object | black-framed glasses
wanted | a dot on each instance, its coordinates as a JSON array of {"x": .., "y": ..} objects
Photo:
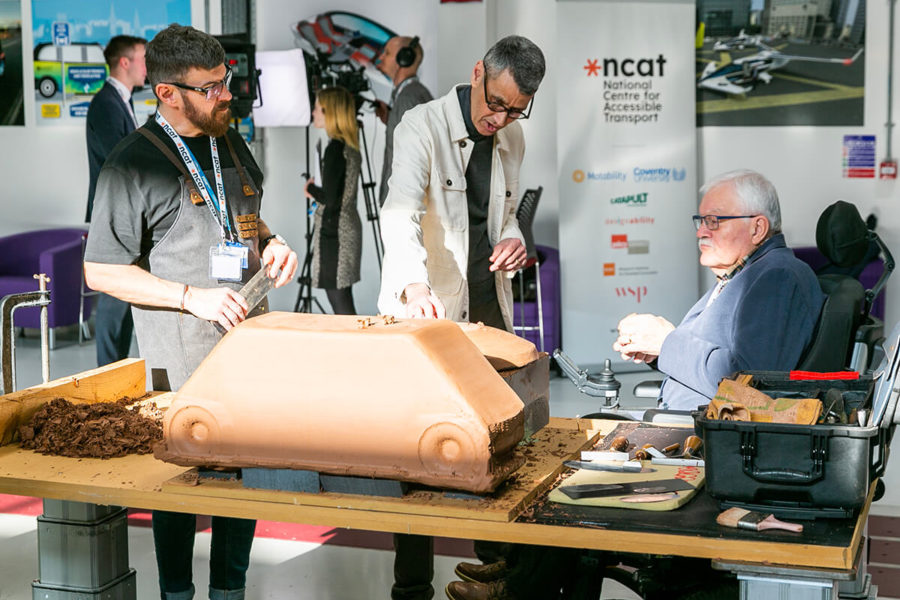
[
  {"x": 712, "y": 221},
  {"x": 211, "y": 91},
  {"x": 511, "y": 113}
]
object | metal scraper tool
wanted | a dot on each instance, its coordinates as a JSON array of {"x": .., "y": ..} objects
[
  {"x": 254, "y": 291},
  {"x": 628, "y": 467}
]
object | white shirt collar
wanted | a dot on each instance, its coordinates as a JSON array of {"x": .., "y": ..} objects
[{"x": 120, "y": 87}]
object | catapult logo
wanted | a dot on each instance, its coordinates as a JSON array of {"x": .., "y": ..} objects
[
  {"x": 658, "y": 174},
  {"x": 626, "y": 67},
  {"x": 639, "y": 199},
  {"x": 636, "y": 293}
]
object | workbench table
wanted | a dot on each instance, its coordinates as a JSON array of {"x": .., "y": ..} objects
[{"x": 826, "y": 551}]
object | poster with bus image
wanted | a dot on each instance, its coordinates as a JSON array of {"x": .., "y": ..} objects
[
  {"x": 11, "y": 89},
  {"x": 69, "y": 38}
]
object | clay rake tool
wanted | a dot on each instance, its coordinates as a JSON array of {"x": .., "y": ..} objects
[
  {"x": 254, "y": 290},
  {"x": 742, "y": 518}
]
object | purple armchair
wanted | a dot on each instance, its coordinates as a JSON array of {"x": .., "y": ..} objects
[{"x": 56, "y": 252}]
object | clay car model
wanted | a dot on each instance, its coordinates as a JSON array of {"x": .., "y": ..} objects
[{"x": 412, "y": 400}]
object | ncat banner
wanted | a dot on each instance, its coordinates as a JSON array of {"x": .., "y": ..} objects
[{"x": 627, "y": 167}]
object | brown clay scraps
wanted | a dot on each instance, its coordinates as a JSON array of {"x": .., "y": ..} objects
[{"x": 102, "y": 430}]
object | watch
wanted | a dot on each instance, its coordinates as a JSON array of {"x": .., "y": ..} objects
[{"x": 265, "y": 242}]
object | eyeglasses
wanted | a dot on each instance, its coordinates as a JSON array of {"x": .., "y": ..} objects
[
  {"x": 211, "y": 91},
  {"x": 511, "y": 113},
  {"x": 712, "y": 221}
]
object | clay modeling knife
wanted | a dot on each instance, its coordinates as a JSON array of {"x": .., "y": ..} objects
[
  {"x": 742, "y": 518},
  {"x": 598, "y": 490}
]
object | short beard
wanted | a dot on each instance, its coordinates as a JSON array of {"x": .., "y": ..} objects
[{"x": 215, "y": 124}]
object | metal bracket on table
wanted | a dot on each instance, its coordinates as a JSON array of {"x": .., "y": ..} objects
[
  {"x": 8, "y": 306},
  {"x": 603, "y": 385}
]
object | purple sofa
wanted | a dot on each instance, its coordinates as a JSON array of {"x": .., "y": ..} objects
[{"x": 56, "y": 252}]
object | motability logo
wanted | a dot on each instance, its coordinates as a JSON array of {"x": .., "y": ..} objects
[
  {"x": 658, "y": 175},
  {"x": 639, "y": 199},
  {"x": 626, "y": 67},
  {"x": 579, "y": 176}
]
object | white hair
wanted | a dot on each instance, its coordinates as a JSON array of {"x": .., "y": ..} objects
[{"x": 755, "y": 193}]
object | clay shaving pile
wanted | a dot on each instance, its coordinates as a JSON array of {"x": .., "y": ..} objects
[{"x": 102, "y": 430}]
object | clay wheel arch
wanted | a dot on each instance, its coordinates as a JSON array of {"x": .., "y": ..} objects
[
  {"x": 448, "y": 449},
  {"x": 194, "y": 431}
]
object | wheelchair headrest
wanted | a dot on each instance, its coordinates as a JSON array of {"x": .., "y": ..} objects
[{"x": 841, "y": 234}]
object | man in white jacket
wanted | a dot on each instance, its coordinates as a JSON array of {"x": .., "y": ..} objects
[{"x": 451, "y": 240}]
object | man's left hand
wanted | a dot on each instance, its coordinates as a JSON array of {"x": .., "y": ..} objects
[
  {"x": 508, "y": 255},
  {"x": 279, "y": 256}
]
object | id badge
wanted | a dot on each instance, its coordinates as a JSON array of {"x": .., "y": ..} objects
[
  {"x": 243, "y": 250},
  {"x": 225, "y": 263}
]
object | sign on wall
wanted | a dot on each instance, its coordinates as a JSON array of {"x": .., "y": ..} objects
[
  {"x": 69, "y": 37},
  {"x": 11, "y": 93},
  {"x": 627, "y": 167},
  {"x": 780, "y": 63}
]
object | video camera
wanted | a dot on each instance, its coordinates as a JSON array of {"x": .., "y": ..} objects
[{"x": 240, "y": 56}]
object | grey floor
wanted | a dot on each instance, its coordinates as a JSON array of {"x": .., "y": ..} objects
[{"x": 280, "y": 569}]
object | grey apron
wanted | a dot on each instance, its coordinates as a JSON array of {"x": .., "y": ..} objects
[{"x": 173, "y": 343}]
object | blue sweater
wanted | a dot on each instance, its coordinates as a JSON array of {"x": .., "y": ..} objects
[{"x": 763, "y": 320}]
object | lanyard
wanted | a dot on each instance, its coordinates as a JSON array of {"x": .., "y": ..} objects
[
  {"x": 402, "y": 85},
  {"x": 200, "y": 180}
]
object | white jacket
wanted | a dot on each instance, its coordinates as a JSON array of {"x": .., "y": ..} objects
[{"x": 425, "y": 219}]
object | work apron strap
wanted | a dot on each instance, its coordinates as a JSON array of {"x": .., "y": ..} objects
[
  {"x": 245, "y": 182},
  {"x": 196, "y": 198}
]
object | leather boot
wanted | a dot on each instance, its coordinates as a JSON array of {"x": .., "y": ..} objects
[
  {"x": 481, "y": 573},
  {"x": 465, "y": 590}
]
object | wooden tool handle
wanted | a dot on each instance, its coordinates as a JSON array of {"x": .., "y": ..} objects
[{"x": 771, "y": 522}]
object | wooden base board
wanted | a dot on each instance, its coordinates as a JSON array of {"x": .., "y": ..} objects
[{"x": 543, "y": 462}]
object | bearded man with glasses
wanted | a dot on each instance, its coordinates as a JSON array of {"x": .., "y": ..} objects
[
  {"x": 760, "y": 315},
  {"x": 176, "y": 232}
]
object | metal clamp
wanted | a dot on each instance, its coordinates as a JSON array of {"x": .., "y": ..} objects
[{"x": 8, "y": 306}]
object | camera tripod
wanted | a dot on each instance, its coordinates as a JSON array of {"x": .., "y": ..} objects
[{"x": 305, "y": 299}]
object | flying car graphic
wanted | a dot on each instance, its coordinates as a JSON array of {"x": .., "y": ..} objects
[{"x": 743, "y": 74}]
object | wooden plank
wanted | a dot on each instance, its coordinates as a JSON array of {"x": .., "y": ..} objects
[
  {"x": 125, "y": 378},
  {"x": 137, "y": 481},
  {"x": 543, "y": 463}
]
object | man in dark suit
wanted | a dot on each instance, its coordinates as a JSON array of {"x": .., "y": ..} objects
[{"x": 110, "y": 118}]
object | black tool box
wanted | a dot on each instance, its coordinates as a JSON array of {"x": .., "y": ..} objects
[{"x": 804, "y": 471}]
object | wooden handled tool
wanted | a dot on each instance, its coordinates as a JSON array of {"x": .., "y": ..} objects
[
  {"x": 692, "y": 447},
  {"x": 742, "y": 518},
  {"x": 619, "y": 443}
]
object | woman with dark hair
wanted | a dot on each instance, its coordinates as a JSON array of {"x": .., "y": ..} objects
[{"x": 337, "y": 236}]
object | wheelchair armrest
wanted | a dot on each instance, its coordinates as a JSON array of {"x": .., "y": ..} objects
[
  {"x": 673, "y": 417},
  {"x": 648, "y": 389}
]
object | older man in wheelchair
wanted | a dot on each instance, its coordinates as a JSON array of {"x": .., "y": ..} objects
[{"x": 767, "y": 311}]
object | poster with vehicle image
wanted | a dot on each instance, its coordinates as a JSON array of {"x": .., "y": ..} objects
[
  {"x": 69, "y": 38},
  {"x": 11, "y": 90},
  {"x": 777, "y": 63}
]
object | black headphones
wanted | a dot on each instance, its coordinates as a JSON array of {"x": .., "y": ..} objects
[{"x": 406, "y": 56}]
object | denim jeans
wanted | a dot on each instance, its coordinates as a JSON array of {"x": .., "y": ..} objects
[{"x": 173, "y": 537}]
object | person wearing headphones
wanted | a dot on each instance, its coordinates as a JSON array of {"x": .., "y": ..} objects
[{"x": 400, "y": 61}]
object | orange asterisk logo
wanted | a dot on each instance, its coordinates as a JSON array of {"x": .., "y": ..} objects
[{"x": 592, "y": 67}]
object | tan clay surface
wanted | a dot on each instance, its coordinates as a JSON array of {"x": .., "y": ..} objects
[
  {"x": 413, "y": 400},
  {"x": 502, "y": 349}
]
